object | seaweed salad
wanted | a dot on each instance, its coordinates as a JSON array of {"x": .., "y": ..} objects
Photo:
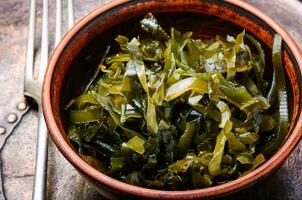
[{"x": 171, "y": 112}]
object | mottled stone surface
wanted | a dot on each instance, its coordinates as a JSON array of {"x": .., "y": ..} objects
[{"x": 64, "y": 182}]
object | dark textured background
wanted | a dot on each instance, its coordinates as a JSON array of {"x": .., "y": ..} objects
[{"x": 64, "y": 182}]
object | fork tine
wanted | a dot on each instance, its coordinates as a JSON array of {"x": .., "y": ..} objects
[
  {"x": 40, "y": 179},
  {"x": 70, "y": 14},
  {"x": 58, "y": 21},
  {"x": 44, "y": 43},
  {"x": 29, "y": 67}
]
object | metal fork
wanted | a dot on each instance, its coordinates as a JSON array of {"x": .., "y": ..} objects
[{"x": 33, "y": 86}]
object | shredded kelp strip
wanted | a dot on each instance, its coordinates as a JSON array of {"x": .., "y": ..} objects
[{"x": 172, "y": 112}]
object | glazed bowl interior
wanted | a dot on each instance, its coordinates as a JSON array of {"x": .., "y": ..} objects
[{"x": 82, "y": 48}]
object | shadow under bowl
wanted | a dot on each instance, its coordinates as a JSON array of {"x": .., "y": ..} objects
[{"x": 82, "y": 47}]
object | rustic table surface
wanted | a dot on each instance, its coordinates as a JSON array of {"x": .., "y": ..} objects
[{"x": 64, "y": 182}]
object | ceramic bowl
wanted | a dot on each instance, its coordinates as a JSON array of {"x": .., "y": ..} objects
[{"x": 80, "y": 50}]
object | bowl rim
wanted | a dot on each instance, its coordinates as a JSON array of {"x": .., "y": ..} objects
[{"x": 269, "y": 166}]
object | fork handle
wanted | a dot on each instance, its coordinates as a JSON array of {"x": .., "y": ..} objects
[{"x": 40, "y": 181}]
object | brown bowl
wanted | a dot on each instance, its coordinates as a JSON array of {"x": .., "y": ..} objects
[{"x": 81, "y": 48}]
